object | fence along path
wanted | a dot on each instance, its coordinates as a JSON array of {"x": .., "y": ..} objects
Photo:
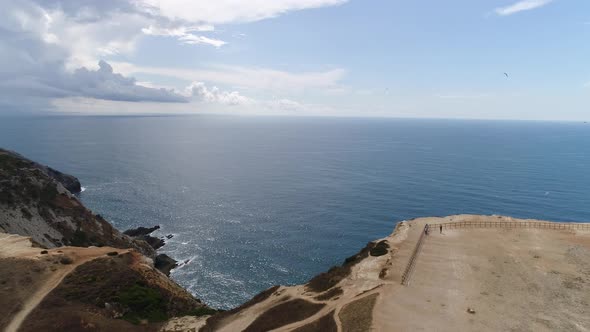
[
  {"x": 412, "y": 262},
  {"x": 484, "y": 224},
  {"x": 514, "y": 224}
]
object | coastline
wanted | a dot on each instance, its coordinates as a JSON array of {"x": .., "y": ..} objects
[
  {"x": 462, "y": 274},
  {"x": 451, "y": 283}
]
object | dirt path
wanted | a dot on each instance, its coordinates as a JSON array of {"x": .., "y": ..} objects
[
  {"x": 38, "y": 296},
  {"x": 78, "y": 255}
]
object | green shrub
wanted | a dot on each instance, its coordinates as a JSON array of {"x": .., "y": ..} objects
[
  {"x": 48, "y": 192},
  {"x": 202, "y": 311},
  {"x": 380, "y": 249},
  {"x": 143, "y": 303},
  {"x": 79, "y": 239}
]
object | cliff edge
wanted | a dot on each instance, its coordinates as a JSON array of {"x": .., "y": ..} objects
[
  {"x": 64, "y": 268},
  {"x": 70, "y": 270},
  {"x": 35, "y": 202},
  {"x": 470, "y": 273}
]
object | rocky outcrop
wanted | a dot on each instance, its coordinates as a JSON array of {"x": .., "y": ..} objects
[
  {"x": 104, "y": 279},
  {"x": 97, "y": 289},
  {"x": 165, "y": 263},
  {"x": 143, "y": 233},
  {"x": 35, "y": 202},
  {"x": 162, "y": 262},
  {"x": 70, "y": 182}
]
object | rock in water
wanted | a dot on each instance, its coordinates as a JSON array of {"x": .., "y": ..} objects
[
  {"x": 70, "y": 182},
  {"x": 140, "y": 231},
  {"x": 165, "y": 263},
  {"x": 143, "y": 233}
]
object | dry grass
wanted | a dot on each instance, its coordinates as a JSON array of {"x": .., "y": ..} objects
[
  {"x": 326, "y": 280},
  {"x": 19, "y": 279},
  {"x": 324, "y": 324},
  {"x": 113, "y": 280},
  {"x": 332, "y": 293},
  {"x": 283, "y": 314},
  {"x": 214, "y": 322},
  {"x": 358, "y": 315}
]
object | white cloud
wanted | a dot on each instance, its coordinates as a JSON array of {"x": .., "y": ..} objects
[
  {"x": 228, "y": 11},
  {"x": 245, "y": 77},
  {"x": 192, "y": 39},
  {"x": 521, "y": 6},
  {"x": 107, "y": 27},
  {"x": 462, "y": 96},
  {"x": 50, "y": 49},
  {"x": 185, "y": 34},
  {"x": 288, "y": 104},
  {"x": 105, "y": 84},
  {"x": 207, "y": 13},
  {"x": 102, "y": 83},
  {"x": 37, "y": 45},
  {"x": 201, "y": 92}
]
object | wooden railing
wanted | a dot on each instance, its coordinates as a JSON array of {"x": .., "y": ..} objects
[
  {"x": 412, "y": 262},
  {"x": 513, "y": 224},
  {"x": 483, "y": 224}
]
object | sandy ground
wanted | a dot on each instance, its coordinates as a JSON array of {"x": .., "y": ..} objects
[
  {"x": 363, "y": 282},
  {"x": 519, "y": 279},
  {"x": 14, "y": 246},
  {"x": 184, "y": 324},
  {"x": 514, "y": 279}
]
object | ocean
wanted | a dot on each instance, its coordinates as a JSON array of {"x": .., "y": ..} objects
[{"x": 258, "y": 201}]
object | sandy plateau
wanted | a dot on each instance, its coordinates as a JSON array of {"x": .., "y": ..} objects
[{"x": 465, "y": 279}]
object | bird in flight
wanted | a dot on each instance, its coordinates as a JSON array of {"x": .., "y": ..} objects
[{"x": 506, "y": 74}]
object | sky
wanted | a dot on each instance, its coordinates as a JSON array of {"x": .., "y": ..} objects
[{"x": 489, "y": 59}]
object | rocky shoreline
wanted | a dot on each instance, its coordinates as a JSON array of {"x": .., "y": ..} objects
[
  {"x": 106, "y": 279},
  {"x": 69, "y": 269},
  {"x": 162, "y": 262}
]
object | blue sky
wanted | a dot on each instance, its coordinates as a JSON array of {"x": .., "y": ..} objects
[{"x": 430, "y": 59}]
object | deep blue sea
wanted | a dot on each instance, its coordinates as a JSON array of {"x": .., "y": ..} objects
[{"x": 259, "y": 201}]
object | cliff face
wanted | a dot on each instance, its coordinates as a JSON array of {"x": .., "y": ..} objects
[
  {"x": 35, "y": 201},
  {"x": 69, "y": 182},
  {"x": 467, "y": 264},
  {"x": 471, "y": 273},
  {"x": 341, "y": 299},
  {"x": 85, "y": 289},
  {"x": 64, "y": 268}
]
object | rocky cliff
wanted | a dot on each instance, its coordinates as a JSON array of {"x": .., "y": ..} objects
[
  {"x": 468, "y": 269},
  {"x": 471, "y": 273},
  {"x": 35, "y": 201},
  {"x": 64, "y": 268}
]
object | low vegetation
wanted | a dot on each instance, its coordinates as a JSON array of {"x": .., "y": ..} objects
[
  {"x": 357, "y": 315},
  {"x": 283, "y": 314},
  {"x": 111, "y": 282},
  {"x": 202, "y": 311},
  {"x": 380, "y": 249},
  {"x": 326, "y": 323},
  {"x": 143, "y": 303},
  {"x": 324, "y": 281},
  {"x": 330, "y": 294},
  {"x": 214, "y": 322}
]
